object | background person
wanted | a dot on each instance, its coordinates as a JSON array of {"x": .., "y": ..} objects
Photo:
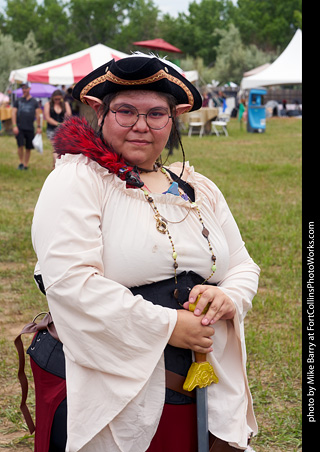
[
  {"x": 55, "y": 112},
  {"x": 72, "y": 102},
  {"x": 242, "y": 115},
  {"x": 124, "y": 245},
  {"x": 25, "y": 110}
]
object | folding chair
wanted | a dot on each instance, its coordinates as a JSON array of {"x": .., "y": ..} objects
[
  {"x": 196, "y": 121},
  {"x": 220, "y": 122}
]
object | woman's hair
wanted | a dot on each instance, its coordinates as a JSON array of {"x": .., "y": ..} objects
[
  {"x": 174, "y": 134},
  {"x": 55, "y": 93}
]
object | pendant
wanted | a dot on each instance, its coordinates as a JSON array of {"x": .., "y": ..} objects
[
  {"x": 173, "y": 189},
  {"x": 161, "y": 225},
  {"x": 205, "y": 232}
]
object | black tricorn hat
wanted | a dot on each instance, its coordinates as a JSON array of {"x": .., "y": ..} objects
[{"x": 138, "y": 73}]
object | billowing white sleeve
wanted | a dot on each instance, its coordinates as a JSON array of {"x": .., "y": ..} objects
[
  {"x": 240, "y": 282},
  {"x": 101, "y": 324}
]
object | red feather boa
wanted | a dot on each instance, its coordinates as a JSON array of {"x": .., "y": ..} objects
[{"x": 76, "y": 136}]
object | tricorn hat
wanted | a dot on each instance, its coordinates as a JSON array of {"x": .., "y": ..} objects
[{"x": 138, "y": 72}]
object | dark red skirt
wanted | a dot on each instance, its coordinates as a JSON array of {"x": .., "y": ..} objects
[
  {"x": 177, "y": 430},
  {"x": 50, "y": 392}
]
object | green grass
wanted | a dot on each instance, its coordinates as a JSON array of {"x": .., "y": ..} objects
[{"x": 260, "y": 176}]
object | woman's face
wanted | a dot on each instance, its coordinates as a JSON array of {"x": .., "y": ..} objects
[
  {"x": 57, "y": 99},
  {"x": 138, "y": 145}
]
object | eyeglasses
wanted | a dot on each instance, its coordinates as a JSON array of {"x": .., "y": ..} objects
[
  {"x": 127, "y": 116},
  {"x": 57, "y": 99}
]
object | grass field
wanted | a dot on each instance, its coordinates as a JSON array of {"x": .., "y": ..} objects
[{"x": 260, "y": 176}]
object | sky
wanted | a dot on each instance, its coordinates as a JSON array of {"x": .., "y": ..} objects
[{"x": 173, "y": 7}]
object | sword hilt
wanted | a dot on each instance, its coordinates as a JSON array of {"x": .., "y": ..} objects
[{"x": 201, "y": 372}]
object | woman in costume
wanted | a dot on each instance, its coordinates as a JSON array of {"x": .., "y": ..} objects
[
  {"x": 55, "y": 112},
  {"x": 125, "y": 246}
]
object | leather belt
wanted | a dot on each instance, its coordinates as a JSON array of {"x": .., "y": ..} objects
[{"x": 175, "y": 382}]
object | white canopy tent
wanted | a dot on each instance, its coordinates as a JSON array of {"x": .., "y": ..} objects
[
  {"x": 285, "y": 70},
  {"x": 256, "y": 70},
  {"x": 68, "y": 69},
  {"x": 192, "y": 76}
]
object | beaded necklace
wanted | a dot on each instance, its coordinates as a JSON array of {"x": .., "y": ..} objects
[{"x": 162, "y": 227}]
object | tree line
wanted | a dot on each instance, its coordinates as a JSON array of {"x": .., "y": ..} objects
[{"x": 218, "y": 37}]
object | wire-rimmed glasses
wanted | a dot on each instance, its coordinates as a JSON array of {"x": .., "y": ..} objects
[{"x": 127, "y": 116}]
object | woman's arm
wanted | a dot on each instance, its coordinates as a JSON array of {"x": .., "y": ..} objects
[
  {"x": 38, "y": 120},
  {"x": 47, "y": 117},
  {"x": 68, "y": 110},
  {"x": 14, "y": 121},
  {"x": 239, "y": 284}
]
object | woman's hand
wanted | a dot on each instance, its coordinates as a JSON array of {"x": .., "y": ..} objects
[
  {"x": 221, "y": 307},
  {"x": 190, "y": 333}
]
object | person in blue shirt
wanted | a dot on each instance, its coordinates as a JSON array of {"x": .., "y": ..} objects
[{"x": 25, "y": 111}]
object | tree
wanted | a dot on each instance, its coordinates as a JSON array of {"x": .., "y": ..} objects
[
  {"x": 194, "y": 33},
  {"x": 234, "y": 58},
  {"x": 66, "y": 26},
  {"x": 2, "y": 22},
  {"x": 53, "y": 30},
  {"x": 21, "y": 18},
  {"x": 97, "y": 21},
  {"x": 15, "y": 55},
  {"x": 141, "y": 24},
  {"x": 206, "y": 74},
  {"x": 268, "y": 23},
  {"x": 48, "y": 21}
]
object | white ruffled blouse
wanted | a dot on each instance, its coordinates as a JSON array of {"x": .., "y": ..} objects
[{"x": 94, "y": 238}]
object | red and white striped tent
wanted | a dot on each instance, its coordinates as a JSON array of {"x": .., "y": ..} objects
[{"x": 68, "y": 69}]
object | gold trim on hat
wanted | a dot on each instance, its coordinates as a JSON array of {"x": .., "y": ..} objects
[{"x": 144, "y": 81}]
